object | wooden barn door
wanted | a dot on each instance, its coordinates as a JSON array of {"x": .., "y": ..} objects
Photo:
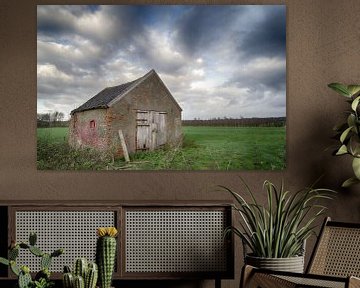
[
  {"x": 142, "y": 130},
  {"x": 151, "y": 129}
]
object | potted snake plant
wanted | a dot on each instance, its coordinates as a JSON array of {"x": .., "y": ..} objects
[
  {"x": 274, "y": 234},
  {"x": 348, "y": 132}
]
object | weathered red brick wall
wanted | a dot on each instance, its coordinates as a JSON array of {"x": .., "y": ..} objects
[
  {"x": 148, "y": 95},
  {"x": 83, "y": 134}
]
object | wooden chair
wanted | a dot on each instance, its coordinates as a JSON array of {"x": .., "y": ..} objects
[{"x": 335, "y": 262}]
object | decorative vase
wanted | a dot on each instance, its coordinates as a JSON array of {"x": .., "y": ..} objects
[{"x": 291, "y": 264}]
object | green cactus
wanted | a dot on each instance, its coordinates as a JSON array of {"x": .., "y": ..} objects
[
  {"x": 13, "y": 253},
  {"x": 24, "y": 280},
  {"x": 32, "y": 238},
  {"x": 105, "y": 258},
  {"x": 87, "y": 272},
  {"x": 24, "y": 245},
  {"x": 79, "y": 282},
  {"x": 36, "y": 251},
  {"x": 81, "y": 265},
  {"x": 14, "y": 268},
  {"x": 57, "y": 252},
  {"x": 42, "y": 278},
  {"x": 91, "y": 276},
  {"x": 67, "y": 269},
  {"x": 45, "y": 261},
  {"x": 68, "y": 280}
]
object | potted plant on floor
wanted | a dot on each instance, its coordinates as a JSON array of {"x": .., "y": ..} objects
[
  {"x": 276, "y": 233},
  {"x": 349, "y": 132}
]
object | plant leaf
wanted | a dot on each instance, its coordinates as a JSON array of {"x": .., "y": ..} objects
[
  {"x": 345, "y": 134},
  {"x": 353, "y": 89},
  {"x": 351, "y": 119},
  {"x": 355, "y": 103},
  {"x": 342, "y": 150},
  {"x": 4, "y": 261},
  {"x": 340, "y": 88},
  {"x": 356, "y": 167},
  {"x": 349, "y": 182}
]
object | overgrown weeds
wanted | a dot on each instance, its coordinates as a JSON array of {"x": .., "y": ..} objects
[{"x": 60, "y": 156}]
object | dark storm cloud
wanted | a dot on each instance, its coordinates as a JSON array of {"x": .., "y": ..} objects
[
  {"x": 267, "y": 37},
  {"x": 54, "y": 20},
  {"x": 271, "y": 76},
  {"x": 202, "y": 26},
  {"x": 216, "y": 60}
]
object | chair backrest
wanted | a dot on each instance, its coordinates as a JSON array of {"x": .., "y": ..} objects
[{"x": 337, "y": 251}]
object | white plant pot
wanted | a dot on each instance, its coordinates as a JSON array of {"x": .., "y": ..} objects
[{"x": 291, "y": 264}]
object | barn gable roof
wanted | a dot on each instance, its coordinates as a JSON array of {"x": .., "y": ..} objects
[{"x": 111, "y": 95}]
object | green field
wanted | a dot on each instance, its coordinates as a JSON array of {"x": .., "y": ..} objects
[
  {"x": 55, "y": 135},
  {"x": 204, "y": 148}
]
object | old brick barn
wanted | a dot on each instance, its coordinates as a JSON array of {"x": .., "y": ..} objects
[{"x": 143, "y": 110}]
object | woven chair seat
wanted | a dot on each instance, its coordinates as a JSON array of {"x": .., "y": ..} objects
[{"x": 335, "y": 262}]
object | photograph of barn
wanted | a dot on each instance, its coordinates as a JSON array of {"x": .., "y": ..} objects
[
  {"x": 143, "y": 110},
  {"x": 161, "y": 87}
]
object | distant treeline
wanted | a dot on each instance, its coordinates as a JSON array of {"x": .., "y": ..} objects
[
  {"x": 241, "y": 122},
  {"x": 47, "y": 124},
  {"x": 55, "y": 119}
]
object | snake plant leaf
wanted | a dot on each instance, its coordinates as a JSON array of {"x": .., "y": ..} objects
[
  {"x": 279, "y": 228},
  {"x": 355, "y": 103},
  {"x": 345, "y": 134},
  {"x": 349, "y": 182},
  {"x": 342, "y": 150},
  {"x": 340, "y": 88},
  {"x": 353, "y": 89},
  {"x": 356, "y": 167}
]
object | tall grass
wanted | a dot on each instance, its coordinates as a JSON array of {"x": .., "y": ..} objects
[
  {"x": 204, "y": 148},
  {"x": 58, "y": 155}
]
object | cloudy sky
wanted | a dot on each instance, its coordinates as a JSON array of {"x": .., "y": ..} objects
[{"x": 216, "y": 60}]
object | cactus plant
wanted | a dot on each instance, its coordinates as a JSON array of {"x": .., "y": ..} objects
[
  {"x": 32, "y": 238},
  {"x": 24, "y": 277},
  {"x": 80, "y": 267},
  {"x": 79, "y": 282},
  {"x": 91, "y": 275},
  {"x": 68, "y": 280},
  {"x": 105, "y": 254},
  {"x": 45, "y": 261},
  {"x": 84, "y": 274},
  {"x": 42, "y": 278}
]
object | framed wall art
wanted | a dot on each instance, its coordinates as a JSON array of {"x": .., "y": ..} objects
[{"x": 161, "y": 87}]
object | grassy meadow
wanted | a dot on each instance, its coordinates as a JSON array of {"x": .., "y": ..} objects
[{"x": 204, "y": 148}]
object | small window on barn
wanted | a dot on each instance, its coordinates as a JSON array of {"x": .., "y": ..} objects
[{"x": 92, "y": 124}]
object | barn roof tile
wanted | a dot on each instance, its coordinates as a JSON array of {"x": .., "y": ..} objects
[{"x": 105, "y": 97}]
